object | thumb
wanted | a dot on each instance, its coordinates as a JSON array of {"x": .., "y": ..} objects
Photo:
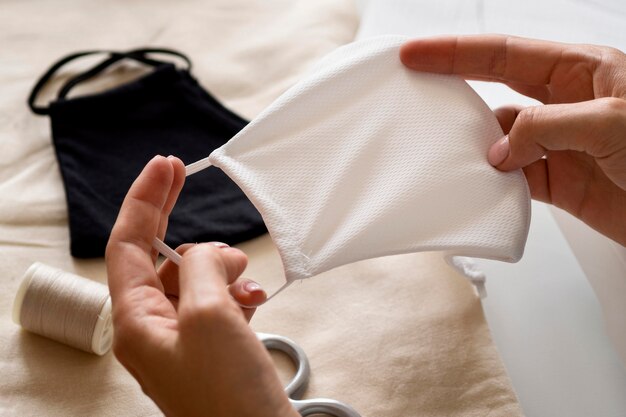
[{"x": 596, "y": 127}]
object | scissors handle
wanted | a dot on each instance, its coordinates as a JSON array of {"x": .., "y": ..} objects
[
  {"x": 323, "y": 406},
  {"x": 296, "y": 387}
]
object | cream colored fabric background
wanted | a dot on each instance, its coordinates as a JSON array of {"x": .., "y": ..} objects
[{"x": 401, "y": 336}]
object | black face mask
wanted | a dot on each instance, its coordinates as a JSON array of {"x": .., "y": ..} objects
[{"x": 103, "y": 141}]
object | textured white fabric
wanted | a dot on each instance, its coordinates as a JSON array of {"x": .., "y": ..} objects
[{"x": 364, "y": 158}]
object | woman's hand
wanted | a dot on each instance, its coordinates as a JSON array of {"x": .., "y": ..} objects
[
  {"x": 178, "y": 331},
  {"x": 581, "y": 129}
]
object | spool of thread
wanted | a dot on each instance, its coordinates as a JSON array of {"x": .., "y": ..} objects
[{"x": 65, "y": 307}]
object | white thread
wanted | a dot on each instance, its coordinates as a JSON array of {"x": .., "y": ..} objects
[{"x": 65, "y": 307}]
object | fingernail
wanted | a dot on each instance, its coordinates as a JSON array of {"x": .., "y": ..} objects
[
  {"x": 499, "y": 151},
  {"x": 252, "y": 286},
  {"x": 219, "y": 244},
  {"x": 170, "y": 156}
]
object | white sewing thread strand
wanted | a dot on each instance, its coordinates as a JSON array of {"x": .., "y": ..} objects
[{"x": 63, "y": 306}]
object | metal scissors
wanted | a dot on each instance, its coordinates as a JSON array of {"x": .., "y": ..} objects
[{"x": 295, "y": 388}]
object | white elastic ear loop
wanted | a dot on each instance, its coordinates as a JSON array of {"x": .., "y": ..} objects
[
  {"x": 157, "y": 243},
  {"x": 175, "y": 257},
  {"x": 197, "y": 166},
  {"x": 166, "y": 251},
  {"x": 467, "y": 266}
]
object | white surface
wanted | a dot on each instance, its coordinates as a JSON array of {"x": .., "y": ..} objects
[
  {"x": 604, "y": 264},
  {"x": 548, "y": 326},
  {"x": 543, "y": 313}
]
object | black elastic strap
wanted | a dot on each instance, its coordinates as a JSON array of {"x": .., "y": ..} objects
[
  {"x": 46, "y": 77},
  {"x": 137, "y": 55}
]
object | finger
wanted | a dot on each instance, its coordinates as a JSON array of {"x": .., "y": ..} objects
[
  {"x": 506, "y": 116},
  {"x": 177, "y": 185},
  {"x": 595, "y": 127},
  {"x": 128, "y": 254},
  {"x": 168, "y": 271},
  {"x": 494, "y": 57},
  {"x": 538, "y": 180},
  {"x": 205, "y": 272},
  {"x": 247, "y": 293}
]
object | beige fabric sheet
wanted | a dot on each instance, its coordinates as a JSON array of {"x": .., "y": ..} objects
[{"x": 401, "y": 336}]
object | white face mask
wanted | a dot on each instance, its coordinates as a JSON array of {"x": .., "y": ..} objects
[{"x": 365, "y": 158}]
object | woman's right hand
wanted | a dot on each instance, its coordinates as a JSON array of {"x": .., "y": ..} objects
[
  {"x": 178, "y": 330},
  {"x": 581, "y": 129}
]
